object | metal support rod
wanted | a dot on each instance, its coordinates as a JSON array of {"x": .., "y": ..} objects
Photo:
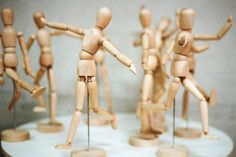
[
  {"x": 14, "y": 117},
  {"x": 88, "y": 116},
  {"x": 173, "y": 140}
]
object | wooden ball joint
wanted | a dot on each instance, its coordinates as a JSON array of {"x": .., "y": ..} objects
[
  {"x": 8, "y": 65},
  {"x": 92, "y": 40}
]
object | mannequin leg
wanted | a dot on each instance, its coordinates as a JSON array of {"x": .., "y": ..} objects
[
  {"x": 185, "y": 105},
  {"x": 106, "y": 86},
  {"x": 52, "y": 94},
  {"x": 93, "y": 102},
  {"x": 42, "y": 105},
  {"x": 203, "y": 104},
  {"x": 16, "y": 96},
  {"x": 145, "y": 101},
  {"x": 174, "y": 86},
  {"x": 77, "y": 114},
  {"x": 35, "y": 92}
]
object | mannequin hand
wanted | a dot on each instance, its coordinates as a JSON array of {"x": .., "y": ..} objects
[
  {"x": 230, "y": 19},
  {"x": 132, "y": 68}
]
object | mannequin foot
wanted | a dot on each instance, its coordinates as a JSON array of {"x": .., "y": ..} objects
[
  {"x": 63, "y": 146},
  {"x": 212, "y": 98},
  {"x": 148, "y": 135},
  {"x": 114, "y": 122},
  {"x": 156, "y": 132},
  {"x": 39, "y": 109},
  {"x": 37, "y": 92},
  {"x": 210, "y": 137},
  {"x": 55, "y": 122}
]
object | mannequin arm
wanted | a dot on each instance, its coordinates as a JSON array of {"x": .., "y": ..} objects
[
  {"x": 63, "y": 27},
  {"x": 30, "y": 41},
  {"x": 57, "y": 32},
  {"x": 108, "y": 46},
  {"x": 26, "y": 64},
  {"x": 220, "y": 33},
  {"x": 200, "y": 49}
]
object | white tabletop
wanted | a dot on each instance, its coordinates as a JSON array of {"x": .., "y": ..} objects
[{"x": 115, "y": 142}]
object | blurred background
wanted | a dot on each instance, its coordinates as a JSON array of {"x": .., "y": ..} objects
[{"x": 215, "y": 68}]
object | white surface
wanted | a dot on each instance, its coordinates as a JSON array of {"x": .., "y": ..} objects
[{"x": 115, "y": 142}]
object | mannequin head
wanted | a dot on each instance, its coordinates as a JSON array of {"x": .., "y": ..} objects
[{"x": 103, "y": 17}]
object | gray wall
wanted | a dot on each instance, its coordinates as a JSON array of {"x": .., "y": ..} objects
[{"x": 215, "y": 68}]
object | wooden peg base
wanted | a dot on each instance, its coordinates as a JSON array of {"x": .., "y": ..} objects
[
  {"x": 50, "y": 127},
  {"x": 92, "y": 152},
  {"x": 167, "y": 150},
  {"x": 15, "y": 135},
  {"x": 188, "y": 133},
  {"x": 142, "y": 142},
  {"x": 98, "y": 121}
]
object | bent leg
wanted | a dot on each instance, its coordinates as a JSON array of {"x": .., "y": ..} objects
[
  {"x": 93, "y": 101},
  {"x": 23, "y": 84}
]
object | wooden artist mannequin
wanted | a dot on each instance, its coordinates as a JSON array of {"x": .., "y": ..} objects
[
  {"x": 148, "y": 135},
  {"x": 8, "y": 65},
  {"x": 188, "y": 132},
  {"x": 93, "y": 40},
  {"x": 183, "y": 48},
  {"x": 161, "y": 77},
  {"x": 43, "y": 37},
  {"x": 100, "y": 63}
]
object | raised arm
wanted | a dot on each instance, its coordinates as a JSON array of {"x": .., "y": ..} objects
[
  {"x": 199, "y": 49},
  {"x": 30, "y": 41},
  {"x": 220, "y": 33},
  {"x": 26, "y": 64},
  {"x": 63, "y": 27},
  {"x": 1, "y": 62},
  {"x": 108, "y": 46}
]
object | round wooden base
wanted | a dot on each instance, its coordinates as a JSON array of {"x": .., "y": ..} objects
[
  {"x": 50, "y": 127},
  {"x": 98, "y": 121},
  {"x": 188, "y": 133},
  {"x": 167, "y": 150},
  {"x": 15, "y": 135},
  {"x": 92, "y": 152},
  {"x": 142, "y": 142}
]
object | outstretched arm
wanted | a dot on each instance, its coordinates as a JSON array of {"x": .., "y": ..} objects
[
  {"x": 199, "y": 49},
  {"x": 30, "y": 42},
  {"x": 108, "y": 46},
  {"x": 63, "y": 27},
  {"x": 26, "y": 64},
  {"x": 1, "y": 62},
  {"x": 220, "y": 34}
]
